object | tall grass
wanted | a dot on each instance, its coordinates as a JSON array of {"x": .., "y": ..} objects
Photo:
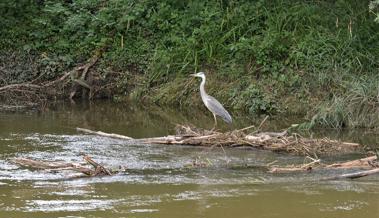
[
  {"x": 358, "y": 106},
  {"x": 271, "y": 49}
]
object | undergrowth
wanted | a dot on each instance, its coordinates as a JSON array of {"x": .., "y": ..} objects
[
  {"x": 323, "y": 53},
  {"x": 358, "y": 106}
]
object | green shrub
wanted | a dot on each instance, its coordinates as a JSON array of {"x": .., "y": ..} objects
[
  {"x": 253, "y": 100},
  {"x": 297, "y": 48}
]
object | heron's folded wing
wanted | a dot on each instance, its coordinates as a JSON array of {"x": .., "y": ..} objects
[{"x": 216, "y": 107}]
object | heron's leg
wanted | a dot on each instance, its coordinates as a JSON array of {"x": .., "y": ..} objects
[{"x": 214, "y": 127}]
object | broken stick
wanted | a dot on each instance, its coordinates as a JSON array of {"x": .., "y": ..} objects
[
  {"x": 353, "y": 175},
  {"x": 100, "y": 133}
]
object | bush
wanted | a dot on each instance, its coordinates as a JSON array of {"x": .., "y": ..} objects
[{"x": 305, "y": 48}]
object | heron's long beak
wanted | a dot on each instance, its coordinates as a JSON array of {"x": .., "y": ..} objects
[{"x": 194, "y": 74}]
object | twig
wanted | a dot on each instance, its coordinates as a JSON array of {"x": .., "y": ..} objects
[
  {"x": 261, "y": 124},
  {"x": 246, "y": 128},
  {"x": 263, "y": 121},
  {"x": 306, "y": 166}
]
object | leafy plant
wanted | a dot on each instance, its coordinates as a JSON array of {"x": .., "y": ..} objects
[
  {"x": 301, "y": 49},
  {"x": 253, "y": 100}
]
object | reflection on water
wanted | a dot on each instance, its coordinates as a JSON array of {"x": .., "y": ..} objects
[{"x": 159, "y": 181}]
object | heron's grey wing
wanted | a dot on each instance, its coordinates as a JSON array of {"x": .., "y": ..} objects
[{"x": 216, "y": 107}]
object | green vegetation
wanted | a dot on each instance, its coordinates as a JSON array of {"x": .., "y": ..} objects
[
  {"x": 357, "y": 107},
  {"x": 313, "y": 57},
  {"x": 374, "y": 8}
]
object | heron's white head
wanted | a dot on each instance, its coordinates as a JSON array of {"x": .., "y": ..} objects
[{"x": 199, "y": 74}]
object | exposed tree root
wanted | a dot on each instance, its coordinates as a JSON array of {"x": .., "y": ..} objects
[
  {"x": 37, "y": 92},
  {"x": 81, "y": 80}
]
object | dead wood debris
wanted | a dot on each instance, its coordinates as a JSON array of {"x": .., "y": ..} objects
[
  {"x": 56, "y": 166},
  {"x": 369, "y": 165},
  {"x": 363, "y": 163},
  {"x": 353, "y": 175},
  {"x": 274, "y": 141}
]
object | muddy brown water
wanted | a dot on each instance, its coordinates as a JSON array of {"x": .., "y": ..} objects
[{"x": 160, "y": 181}]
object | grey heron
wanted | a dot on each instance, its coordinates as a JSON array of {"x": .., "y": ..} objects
[{"x": 211, "y": 103}]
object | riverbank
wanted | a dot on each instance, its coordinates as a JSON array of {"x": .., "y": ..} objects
[{"x": 316, "y": 59}]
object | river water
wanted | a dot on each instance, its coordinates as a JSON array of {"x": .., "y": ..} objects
[{"x": 160, "y": 180}]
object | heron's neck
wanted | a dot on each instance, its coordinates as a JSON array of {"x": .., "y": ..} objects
[{"x": 202, "y": 84}]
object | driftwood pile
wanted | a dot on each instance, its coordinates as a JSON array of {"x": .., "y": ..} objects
[{"x": 273, "y": 141}]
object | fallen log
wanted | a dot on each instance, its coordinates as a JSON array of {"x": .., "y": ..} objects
[
  {"x": 277, "y": 142},
  {"x": 367, "y": 162},
  {"x": 57, "y": 166},
  {"x": 49, "y": 165},
  {"x": 363, "y": 163},
  {"x": 111, "y": 135},
  {"x": 353, "y": 175},
  {"x": 288, "y": 169}
]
